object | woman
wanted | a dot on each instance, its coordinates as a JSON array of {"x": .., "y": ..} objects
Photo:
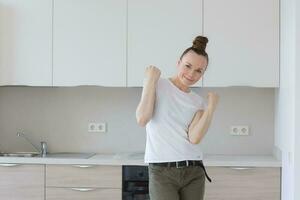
[{"x": 176, "y": 120}]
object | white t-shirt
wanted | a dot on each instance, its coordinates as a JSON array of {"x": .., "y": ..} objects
[{"x": 167, "y": 138}]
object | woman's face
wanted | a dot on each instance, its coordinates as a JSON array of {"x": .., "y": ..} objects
[{"x": 191, "y": 68}]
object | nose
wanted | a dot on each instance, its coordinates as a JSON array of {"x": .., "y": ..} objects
[{"x": 191, "y": 74}]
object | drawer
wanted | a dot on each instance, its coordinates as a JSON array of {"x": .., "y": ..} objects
[
  {"x": 83, "y": 194},
  {"x": 22, "y": 181},
  {"x": 243, "y": 183},
  {"x": 84, "y": 176}
]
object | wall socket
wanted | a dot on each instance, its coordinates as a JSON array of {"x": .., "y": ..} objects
[
  {"x": 239, "y": 130},
  {"x": 97, "y": 127}
]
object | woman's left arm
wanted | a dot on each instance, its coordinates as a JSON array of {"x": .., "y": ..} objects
[{"x": 202, "y": 119}]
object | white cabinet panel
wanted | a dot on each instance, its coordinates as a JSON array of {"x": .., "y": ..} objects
[
  {"x": 243, "y": 43},
  {"x": 90, "y": 176},
  {"x": 236, "y": 183},
  {"x": 26, "y": 42},
  {"x": 89, "y": 42},
  {"x": 158, "y": 33},
  {"x": 22, "y": 182},
  {"x": 66, "y": 182}
]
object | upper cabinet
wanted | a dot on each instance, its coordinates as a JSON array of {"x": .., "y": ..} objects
[
  {"x": 89, "y": 42},
  {"x": 158, "y": 33},
  {"x": 243, "y": 43},
  {"x": 26, "y": 42},
  {"x": 111, "y": 42}
]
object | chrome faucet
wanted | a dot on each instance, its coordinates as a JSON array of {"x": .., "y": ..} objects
[{"x": 43, "y": 150}]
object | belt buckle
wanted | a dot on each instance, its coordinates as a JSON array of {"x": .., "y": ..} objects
[{"x": 186, "y": 164}]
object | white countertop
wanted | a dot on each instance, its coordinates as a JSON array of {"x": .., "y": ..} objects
[{"x": 138, "y": 159}]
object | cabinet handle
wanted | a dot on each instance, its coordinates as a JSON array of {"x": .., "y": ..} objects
[
  {"x": 83, "y": 166},
  {"x": 83, "y": 189},
  {"x": 8, "y": 165}
]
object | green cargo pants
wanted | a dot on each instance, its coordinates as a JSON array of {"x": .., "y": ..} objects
[{"x": 171, "y": 183}]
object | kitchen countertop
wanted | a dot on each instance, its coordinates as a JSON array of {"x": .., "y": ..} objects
[{"x": 138, "y": 159}]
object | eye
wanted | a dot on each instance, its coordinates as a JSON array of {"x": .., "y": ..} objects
[
  {"x": 199, "y": 71},
  {"x": 188, "y": 66}
]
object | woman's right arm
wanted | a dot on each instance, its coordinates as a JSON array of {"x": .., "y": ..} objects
[{"x": 145, "y": 107}]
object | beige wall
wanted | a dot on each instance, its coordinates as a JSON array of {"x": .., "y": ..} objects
[{"x": 60, "y": 117}]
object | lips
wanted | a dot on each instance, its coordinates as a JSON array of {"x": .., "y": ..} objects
[{"x": 188, "y": 79}]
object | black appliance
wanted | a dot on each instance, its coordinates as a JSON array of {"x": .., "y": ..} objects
[{"x": 135, "y": 182}]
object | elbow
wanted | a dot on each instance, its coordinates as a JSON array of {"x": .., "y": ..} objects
[
  {"x": 142, "y": 118},
  {"x": 194, "y": 141},
  {"x": 142, "y": 121}
]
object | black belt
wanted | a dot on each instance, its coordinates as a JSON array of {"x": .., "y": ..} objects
[{"x": 184, "y": 163}]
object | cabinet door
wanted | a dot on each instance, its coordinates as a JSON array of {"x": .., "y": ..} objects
[
  {"x": 243, "y": 43},
  {"x": 89, "y": 42},
  {"x": 243, "y": 183},
  {"x": 26, "y": 42},
  {"x": 21, "y": 182},
  {"x": 84, "y": 176},
  {"x": 158, "y": 33}
]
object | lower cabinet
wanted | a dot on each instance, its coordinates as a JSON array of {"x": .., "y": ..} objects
[
  {"x": 81, "y": 182},
  {"x": 94, "y": 182},
  {"x": 243, "y": 183},
  {"x": 22, "y": 182}
]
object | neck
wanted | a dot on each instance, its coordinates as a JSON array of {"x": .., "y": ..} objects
[{"x": 176, "y": 81}]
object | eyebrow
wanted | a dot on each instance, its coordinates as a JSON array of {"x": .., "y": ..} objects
[{"x": 191, "y": 65}]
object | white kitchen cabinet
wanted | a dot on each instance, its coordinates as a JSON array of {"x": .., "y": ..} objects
[
  {"x": 89, "y": 38},
  {"x": 26, "y": 42},
  {"x": 66, "y": 182},
  {"x": 239, "y": 183},
  {"x": 22, "y": 182},
  {"x": 84, "y": 176},
  {"x": 243, "y": 43},
  {"x": 158, "y": 33}
]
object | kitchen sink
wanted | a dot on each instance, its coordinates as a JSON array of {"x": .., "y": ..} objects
[
  {"x": 48, "y": 155},
  {"x": 20, "y": 154}
]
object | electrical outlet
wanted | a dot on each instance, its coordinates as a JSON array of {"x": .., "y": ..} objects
[
  {"x": 239, "y": 130},
  {"x": 97, "y": 127}
]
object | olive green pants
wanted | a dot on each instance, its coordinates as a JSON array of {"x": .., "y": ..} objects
[{"x": 171, "y": 183}]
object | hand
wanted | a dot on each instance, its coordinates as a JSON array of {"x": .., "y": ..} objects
[
  {"x": 213, "y": 100},
  {"x": 152, "y": 73}
]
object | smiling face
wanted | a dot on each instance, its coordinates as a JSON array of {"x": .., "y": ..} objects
[{"x": 191, "y": 68}]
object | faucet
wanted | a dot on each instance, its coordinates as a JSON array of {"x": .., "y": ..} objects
[{"x": 42, "y": 150}]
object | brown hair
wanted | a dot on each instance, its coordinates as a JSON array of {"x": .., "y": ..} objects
[{"x": 199, "y": 45}]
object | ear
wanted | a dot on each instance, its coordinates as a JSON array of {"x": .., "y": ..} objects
[{"x": 177, "y": 64}]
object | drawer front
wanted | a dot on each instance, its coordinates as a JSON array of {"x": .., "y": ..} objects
[
  {"x": 84, "y": 176},
  {"x": 18, "y": 181},
  {"x": 243, "y": 183},
  {"x": 81, "y": 194}
]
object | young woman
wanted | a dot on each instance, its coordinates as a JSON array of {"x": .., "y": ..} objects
[{"x": 176, "y": 120}]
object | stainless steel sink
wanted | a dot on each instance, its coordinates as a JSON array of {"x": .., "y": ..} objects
[
  {"x": 48, "y": 155},
  {"x": 20, "y": 154}
]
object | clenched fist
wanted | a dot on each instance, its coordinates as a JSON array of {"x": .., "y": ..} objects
[
  {"x": 152, "y": 73},
  {"x": 213, "y": 100}
]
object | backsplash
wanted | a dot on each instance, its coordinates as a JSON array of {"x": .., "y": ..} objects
[{"x": 60, "y": 116}]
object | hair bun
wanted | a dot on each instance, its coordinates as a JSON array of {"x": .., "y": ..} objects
[{"x": 200, "y": 43}]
